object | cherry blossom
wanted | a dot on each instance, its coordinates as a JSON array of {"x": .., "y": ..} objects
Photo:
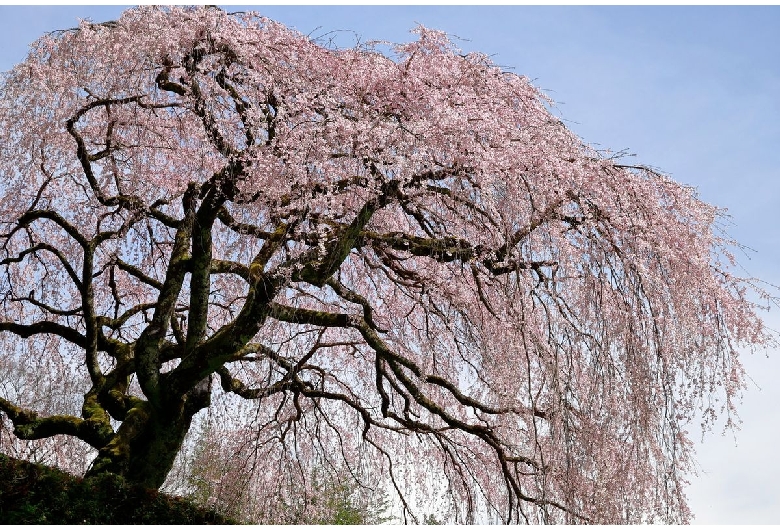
[{"x": 401, "y": 261}]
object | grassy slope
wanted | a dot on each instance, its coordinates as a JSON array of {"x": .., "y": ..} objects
[{"x": 35, "y": 494}]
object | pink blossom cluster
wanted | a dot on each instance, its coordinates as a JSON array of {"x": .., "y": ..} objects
[{"x": 521, "y": 318}]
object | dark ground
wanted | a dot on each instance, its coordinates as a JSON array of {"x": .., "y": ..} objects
[{"x": 36, "y": 494}]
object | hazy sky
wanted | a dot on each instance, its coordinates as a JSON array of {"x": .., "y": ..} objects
[{"x": 694, "y": 91}]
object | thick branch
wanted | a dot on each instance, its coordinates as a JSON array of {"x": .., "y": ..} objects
[
  {"x": 138, "y": 273},
  {"x": 231, "y": 384},
  {"x": 450, "y": 249},
  {"x": 47, "y": 328},
  {"x": 355, "y": 298},
  {"x": 29, "y": 425},
  {"x": 90, "y": 320},
  {"x": 147, "y": 349},
  {"x": 118, "y": 322},
  {"x": 30, "y": 216},
  {"x": 317, "y": 273},
  {"x": 224, "y": 345},
  {"x": 241, "y": 228}
]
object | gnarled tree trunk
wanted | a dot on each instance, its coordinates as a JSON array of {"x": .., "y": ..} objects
[{"x": 145, "y": 446}]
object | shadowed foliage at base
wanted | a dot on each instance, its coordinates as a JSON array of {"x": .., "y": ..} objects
[{"x": 36, "y": 494}]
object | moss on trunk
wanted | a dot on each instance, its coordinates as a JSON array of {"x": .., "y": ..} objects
[{"x": 145, "y": 446}]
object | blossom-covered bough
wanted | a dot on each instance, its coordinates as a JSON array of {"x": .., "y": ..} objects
[{"x": 386, "y": 254}]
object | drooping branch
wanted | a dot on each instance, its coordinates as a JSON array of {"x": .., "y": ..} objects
[
  {"x": 45, "y": 246},
  {"x": 327, "y": 319},
  {"x": 86, "y": 158},
  {"x": 33, "y": 215}
]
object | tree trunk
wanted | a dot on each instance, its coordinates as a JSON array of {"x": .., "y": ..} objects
[{"x": 145, "y": 446}]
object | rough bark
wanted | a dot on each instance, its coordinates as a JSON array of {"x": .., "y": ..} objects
[{"x": 145, "y": 446}]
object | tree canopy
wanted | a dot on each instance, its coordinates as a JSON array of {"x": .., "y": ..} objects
[{"x": 399, "y": 259}]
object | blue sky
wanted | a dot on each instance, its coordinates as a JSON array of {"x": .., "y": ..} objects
[{"x": 694, "y": 91}]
